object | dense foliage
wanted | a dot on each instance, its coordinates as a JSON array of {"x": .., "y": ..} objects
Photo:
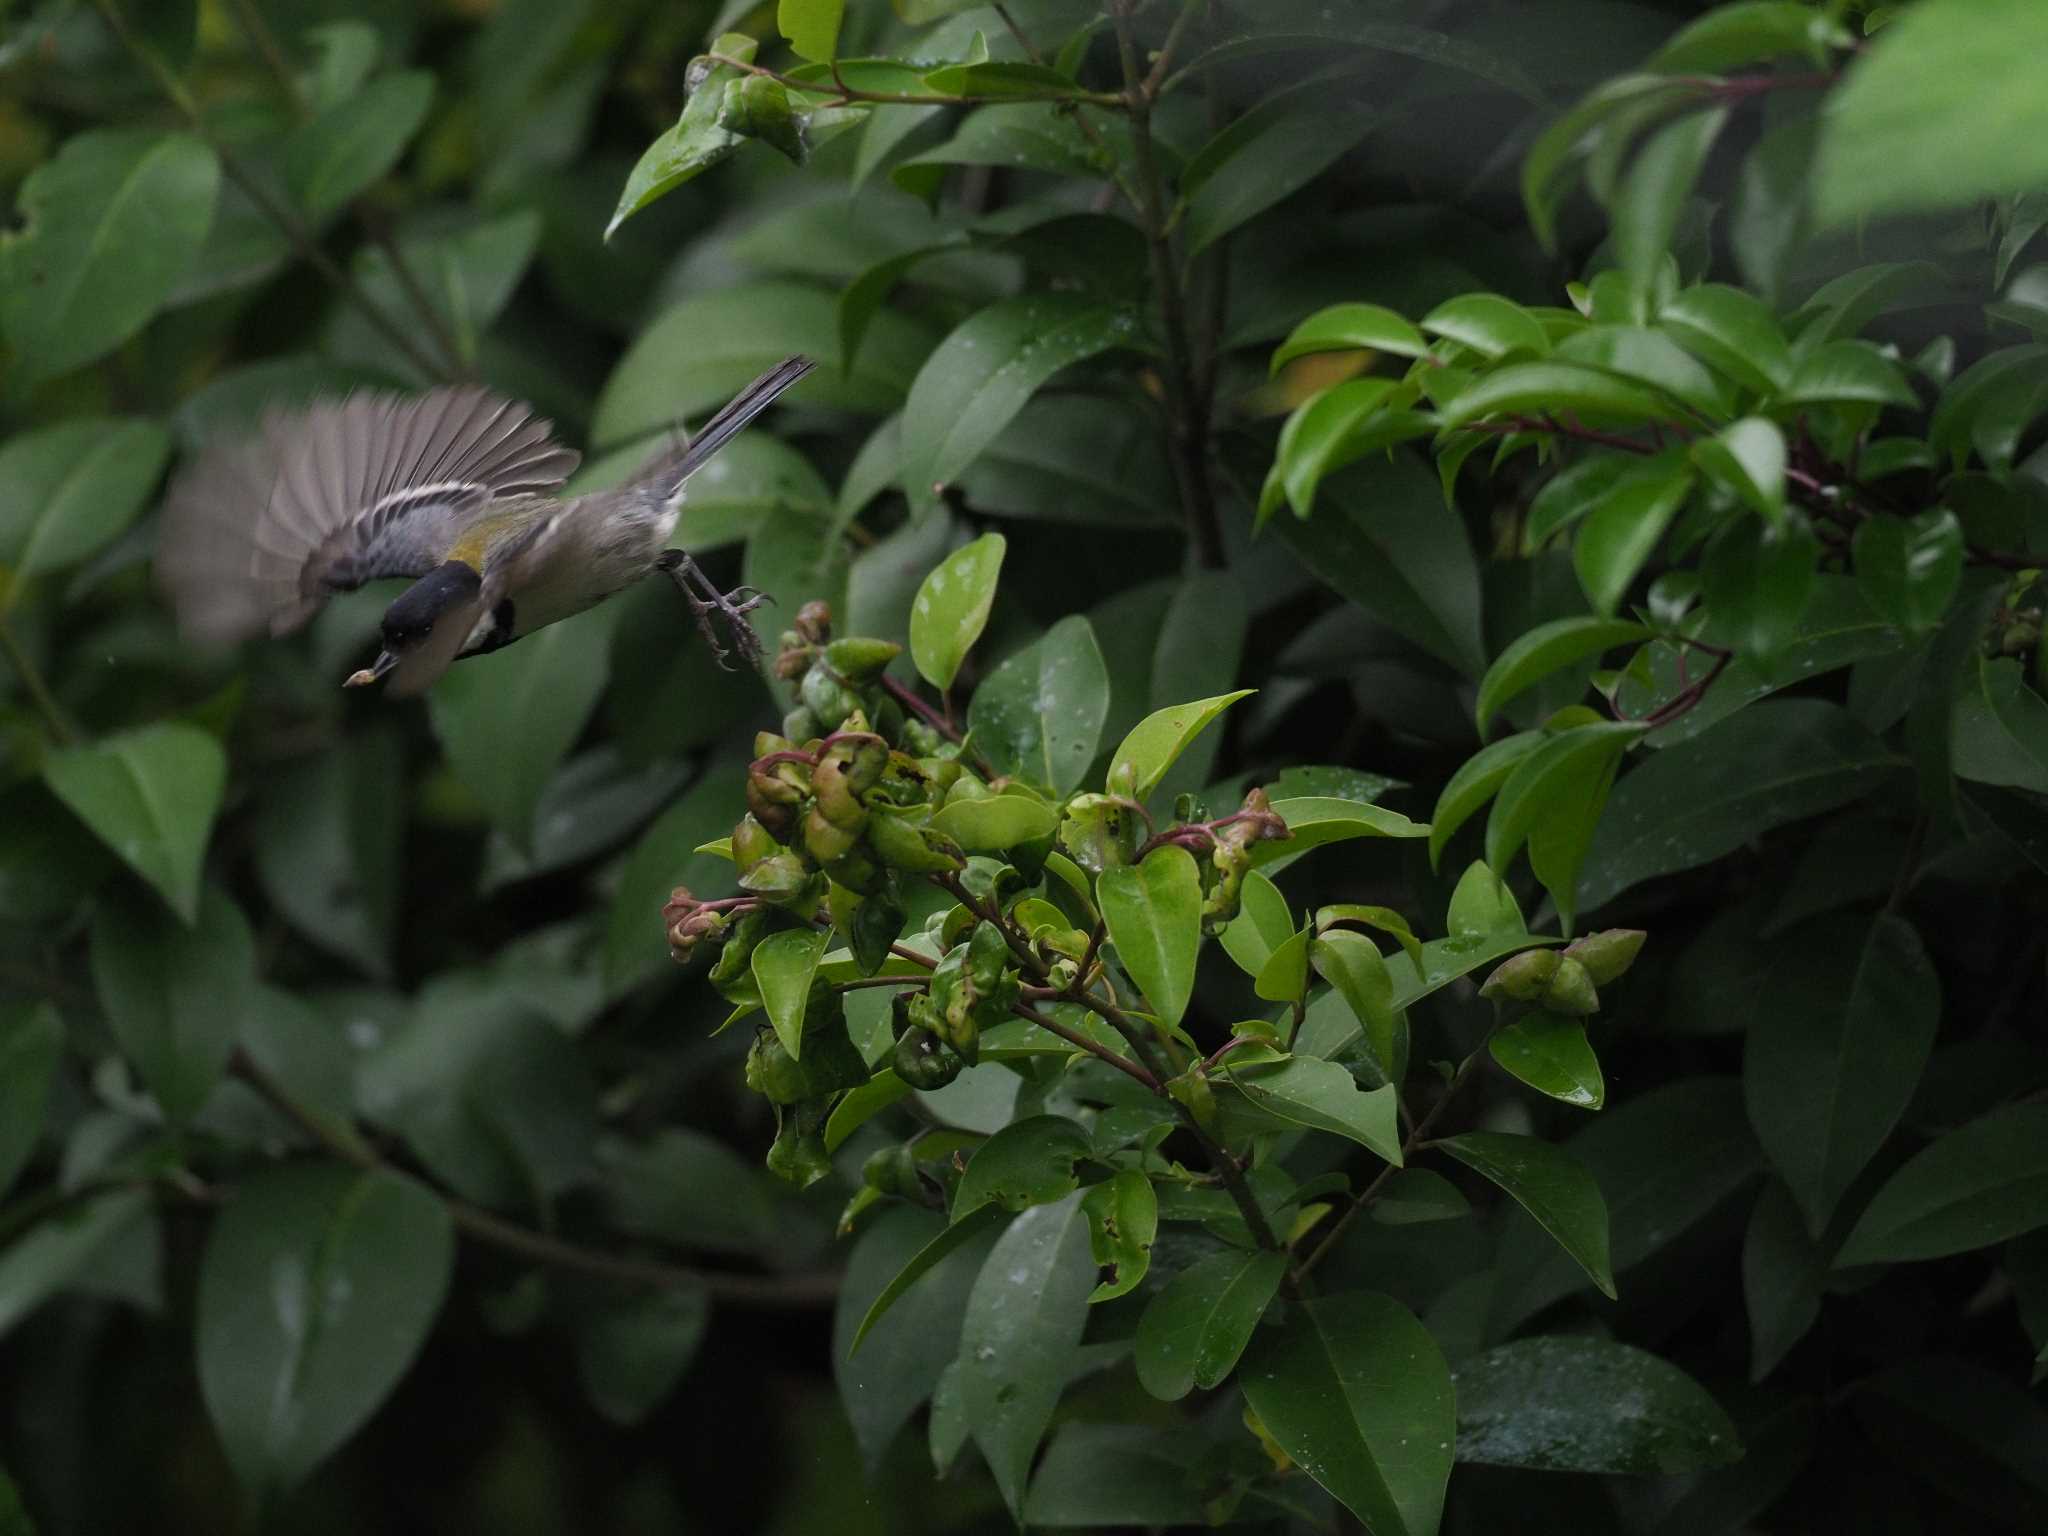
[{"x": 1392, "y": 874}]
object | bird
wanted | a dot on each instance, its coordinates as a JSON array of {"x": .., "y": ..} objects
[{"x": 456, "y": 489}]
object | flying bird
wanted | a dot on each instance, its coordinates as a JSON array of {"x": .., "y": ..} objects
[{"x": 455, "y": 489}]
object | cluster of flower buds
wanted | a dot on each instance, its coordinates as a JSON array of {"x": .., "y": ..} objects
[
  {"x": 1230, "y": 856},
  {"x": 1566, "y": 981},
  {"x": 804, "y": 1087},
  {"x": 690, "y": 922}
]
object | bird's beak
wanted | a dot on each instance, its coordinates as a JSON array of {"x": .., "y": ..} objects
[{"x": 384, "y": 663}]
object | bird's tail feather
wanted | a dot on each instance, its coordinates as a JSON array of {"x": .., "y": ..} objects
[{"x": 667, "y": 473}]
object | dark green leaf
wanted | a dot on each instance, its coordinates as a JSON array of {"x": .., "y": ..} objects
[
  {"x": 1659, "y": 180},
  {"x": 783, "y": 965},
  {"x": 1324, "y": 1096},
  {"x": 1154, "y": 914},
  {"x": 1415, "y": 1195},
  {"x": 31, "y": 1043},
  {"x": 1575, "y": 1404},
  {"x": 631, "y": 1352},
  {"x": 1549, "y": 1052},
  {"x": 1028, "y": 1162},
  {"x": 328, "y": 846},
  {"x": 1546, "y": 649},
  {"x": 1971, "y": 1188},
  {"x": 174, "y": 995},
  {"x": 1783, "y": 1272},
  {"x": 1123, "y": 1220},
  {"x": 2000, "y": 728},
  {"x": 352, "y": 144},
  {"x": 1356, "y": 1391},
  {"x": 1552, "y": 1186},
  {"x": 663, "y": 859},
  {"x": 150, "y": 795},
  {"x": 68, "y": 491},
  {"x": 1976, "y": 1435},
  {"x": 1114, "y": 1475},
  {"x": 948, "y": 1240},
  {"x": 44, "y": 1259},
  {"x": 316, "y": 1291},
  {"x": 1265, "y": 154},
  {"x": 1909, "y": 567},
  {"x": 1195, "y": 1329}
]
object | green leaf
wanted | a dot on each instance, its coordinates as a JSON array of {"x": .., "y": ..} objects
[
  {"x": 1969, "y": 1189},
  {"x": 1385, "y": 919},
  {"x": 1327, "y": 433},
  {"x": 1481, "y": 906},
  {"x": 1548, "y": 648},
  {"x": 1142, "y": 758},
  {"x": 1842, "y": 1032},
  {"x": 1316, "y": 820},
  {"x": 1028, "y": 1162},
  {"x": 981, "y": 375},
  {"x": 1353, "y": 964},
  {"x": 1747, "y": 458},
  {"x": 1644, "y": 356},
  {"x": 1356, "y": 1391},
  {"x": 1565, "y": 779},
  {"x": 951, "y": 608},
  {"x": 1024, "y": 1320},
  {"x": 1323, "y": 1096},
  {"x": 539, "y": 693},
  {"x": 1263, "y": 155},
  {"x": 2000, "y": 728},
  {"x": 996, "y": 824},
  {"x": 1284, "y": 976},
  {"x": 1569, "y": 1403},
  {"x": 42, "y": 1260},
  {"x": 1552, "y": 1186},
  {"x": 663, "y": 859},
  {"x": 317, "y": 1288},
  {"x": 1154, "y": 913},
  {"x": 1549, "y": 387},
  {"x": 1731, "y": 331},
  {"x": 1783, "y": 1274},
  {"x": 1415, "y": 1195},
  {"x": 352, "y": 144},
  {"x": 1034, "y": 136},
  {"x": 1194, "y": 1330},
  {"x": 1123, "y": 1220},
  {"x": 1001, "y": 78},
  {"x": 1549, "y": 1052},
  {"x": 467, "y": 274},
  {"x": 68, "y": 491},
  {"x": 1909, "y": 568},
  {"x": 150, "y": 795},
  {"x": 1747, "y": 32},
  {"x": 1703, "y": 799},
  {"x": 31, "y": 1045},
  {"x": 175, "y": 995},
  {"x": 1489, "y": 324},
  {"x": 1622, "y": 528},
  {"x": 1757, "y": 581},
  {"x": 1653, "y": 195},
  {"x": 811, "y": 26},
  {"x": 106, "y": 229},
  {"x": 1345, "y": 327},
  {"x": 783, "y": 965},
  {"x": 696, "y": 142},
  {"x": 949, "y": 1239},
  {"x": 1939, "y": 112},
  {"x": 1263, "y": 923},
  {"x": 631, "y": 1351},
  {"x": 328, "y": 842},
  {"x": 1547, "y": 168},
  {"x": 1114, "y": 1475},
  {"x": 1040, "y": 713},
  {"x": 1847, "y": 372},
  {"x": 1477, "y": 781}
]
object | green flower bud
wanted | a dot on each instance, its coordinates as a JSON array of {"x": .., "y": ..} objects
[
  {"x": 873, "y": 928},
  {"x": 773, "y": 1073},
  {"x": 901, "y": 845},
  {"x": 923, "y": 1061},
  {"x": 801, "y": 725},
  {"x": 825, "y": 842},
  {"x": 893, "y": 1171},
  {"x": 735, "y": 958},
  {"x": 1608, "y": 954},
  {"x": 860, "y": 658},
  {"x": 799, "y": 1153},
  {"x": 827, "y": 697},
  {"x": 752, "y": 842},
  {"x": 780, "y": 879},
  {"x": 756, "y": 107},
  {"x": 1522, "y": 977},
  {"x": 1571, "y": 990}
]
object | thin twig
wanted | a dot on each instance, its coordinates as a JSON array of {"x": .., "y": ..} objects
[
  {"x": 38, "y": 691},
  {"x": 1094, "y": 1048}
]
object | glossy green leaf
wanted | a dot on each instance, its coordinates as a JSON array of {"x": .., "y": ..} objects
[
  {"x": 1547, "y": 169},
  {"x": 1154, "y": 914},
  {"x": 1747, "y": 457},
  {"x": 1937, "y": 113},
  {"x": 1489, "y": 324},
  {"x": 105, "y": 229},
  {"x": 1622, "y": 529},
  {"x": 175, "y": 995},
  {"x": 1283, "y": 978},
  {"x": 996, "y": 824},
  {"x": 149, "y": 794},
  {"x": 1644, "y": 356},
  {"x": 1653, "y": 194},
  {"x": 1263, "y": 923},
  {"x": 1316, "y": 820},
  {"x": 1024, "y": 1319},
  {"x": 1000, "y": 78},
  {"x": 1353, "y": 964},
  {"x": 1357, "y": 1392},
  {"x": 1690, "y": 804},
  {"x": 1477, "y": 781},
  {"x": 1570, "y": 1403},
  {"x": 1999, "y": 728},
  {"x": 1557, "y": 779},
  {"x": 1415, "y": 1195},
  {"x": 981, "y": 375},
  {"x": 1040, "y": 713},
  {"x": 951, "y": 608},
  {"x": 1143, "y": 756},
  {"x": 1548, "y": 648},
  {"x": 1123, "y": 1220},
  {"x": 943, "y": 1243},
  {"x": 1552, "y": 1186},
  {"x": 1731, "y": 331},
  {"x": 1323, "y": 1096},
  {"x": 67, "y": 491},
  {"x": 349, "y": 146},
  {"x": 1194, "y": 1330},
  {"x": 1747, "y": 32},
  {"x": 1347, "y": 327},
  {"x": 1909, "y": 568},
  {"x": 1033, "y": 136},
  {"x": 1385, "y": 919},
  {"x": 811, "y": 26},
  {"x": 31, "y": 1044},
  {"x": 1482, "y": 906},
  {"x": 1847, "y": 372},
  {"x": 1968, "y": 1189},
  {"x": 1263, "y": 155},
  {"x": 317, "y": 1288},
  {"x": 1549, "y": 1052},
  {"x": 698, "y": 140},
  {"x": 1549, "y": 387},
  {"x": 1028, "y": 1162},
  {"x": 784, "y": 965},
  {"x": 1842, "y": 1033},
  {"x": 1323, "y": 436},
  {"x": 1758, "y": 580}
]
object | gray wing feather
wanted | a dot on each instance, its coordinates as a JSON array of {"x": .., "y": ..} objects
[{"x": 257, "y": 534}]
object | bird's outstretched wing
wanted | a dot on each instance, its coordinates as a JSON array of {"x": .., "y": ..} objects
[{"x": 257, "y": 534}]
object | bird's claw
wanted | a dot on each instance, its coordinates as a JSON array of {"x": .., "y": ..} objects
[{"x": 708, "y": 605}]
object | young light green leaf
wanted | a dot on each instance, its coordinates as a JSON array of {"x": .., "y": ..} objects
[
  {"x": 1550, "y": 387},
  {"x": 1284, "y": 976},
  {"x": 1607, "y": 1408},
  {"x": 1263, "y": 923},
  {"x": 1548, "y": 648},
  {"x": 1123, "y": 1220},
  {"x": 1551, "y": 780},
  {"x": 784, "y": 964},
  {"x": 811, "y": 26},
  {"x": 150, "y": 795},
  {"x": 1477, "y": 781},
  {"x": 1356, "y": 1391},
  {"x": 697, "y": 141},
  {"x": 1142, "y": 758},
  {"x": 347, "y": 147},
  {"x": 1489, "y": 324},
  {"x": 1316, "y": 820},
  {"x": 1385, "y": 919},
  {"x": 1549, "y": 1052},
  {"x": 1154, "y": 914},
  {"x": 1847, "y": 372},
  {"x": 1195, "y": 1329},
  {"x": 995, "y": 824},
  {"x": 1040, "y": 713},
  {"x": 1551, "y": 1185},
  {"x": 317, "y": 1288},
  {"x": 1323, "y": 436},
  {"x": 1353, "y": 964},
  {"x": 1731, "y": 331},
  {"x": 69, "y": 490},
  {"x": 1322, "y": 1095},
  {"x": 1973, "y": 1187},
  {"x": 1028, "y": 1162},
  {"x": 107, "y": 228},
  {"x": 951, "y": 608},
  {"x": 1348, "y": 327}
]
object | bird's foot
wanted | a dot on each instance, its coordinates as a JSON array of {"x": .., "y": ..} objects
[{"x": 710, "y": 607}]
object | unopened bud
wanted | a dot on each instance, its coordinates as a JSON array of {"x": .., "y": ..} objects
[
  {"x": 861, "y": 658},
  {"x": 1522, "y": 977},
  {"x": 1608, "y": 954},
  {"x": 1571, "y": 990},
  {"x": 814, "y": 621}
]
